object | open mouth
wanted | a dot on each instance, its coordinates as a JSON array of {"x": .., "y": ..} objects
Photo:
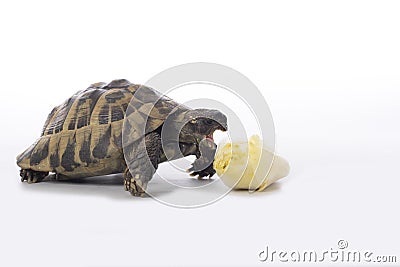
[
  {"x": 210, "y": 136},
  {"x": 220, "y": 127}
]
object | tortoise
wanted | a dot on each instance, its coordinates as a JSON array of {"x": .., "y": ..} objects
[{"x": 83, "y": 136}]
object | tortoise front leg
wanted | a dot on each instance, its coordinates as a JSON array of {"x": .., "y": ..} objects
[
  {"x": 203, "y": 165},
  {"x": 142, "y": 162}
]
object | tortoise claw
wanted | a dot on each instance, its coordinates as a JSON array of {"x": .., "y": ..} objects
[
  {"x": 209, "y": 171},
  {"x": 134, "y": 185},
  {"x": 32, "y": 176}
]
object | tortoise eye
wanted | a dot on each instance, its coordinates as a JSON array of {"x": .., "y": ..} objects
[{"x": 208, "y": 121}]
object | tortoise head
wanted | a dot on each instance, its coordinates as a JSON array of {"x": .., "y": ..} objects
[{"x": 200, "y": 124}]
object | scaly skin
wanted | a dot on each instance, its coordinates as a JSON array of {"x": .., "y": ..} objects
[{"x": 143, "y": 163}]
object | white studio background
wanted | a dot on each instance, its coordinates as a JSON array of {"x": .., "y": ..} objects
[{"x": 330, "y": 71}]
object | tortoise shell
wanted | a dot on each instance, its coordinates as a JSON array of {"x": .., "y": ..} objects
[{"x": 83, "y": 136}]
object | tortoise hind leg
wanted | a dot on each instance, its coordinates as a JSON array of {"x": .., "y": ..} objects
[{"x": 32, "y": 176}]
